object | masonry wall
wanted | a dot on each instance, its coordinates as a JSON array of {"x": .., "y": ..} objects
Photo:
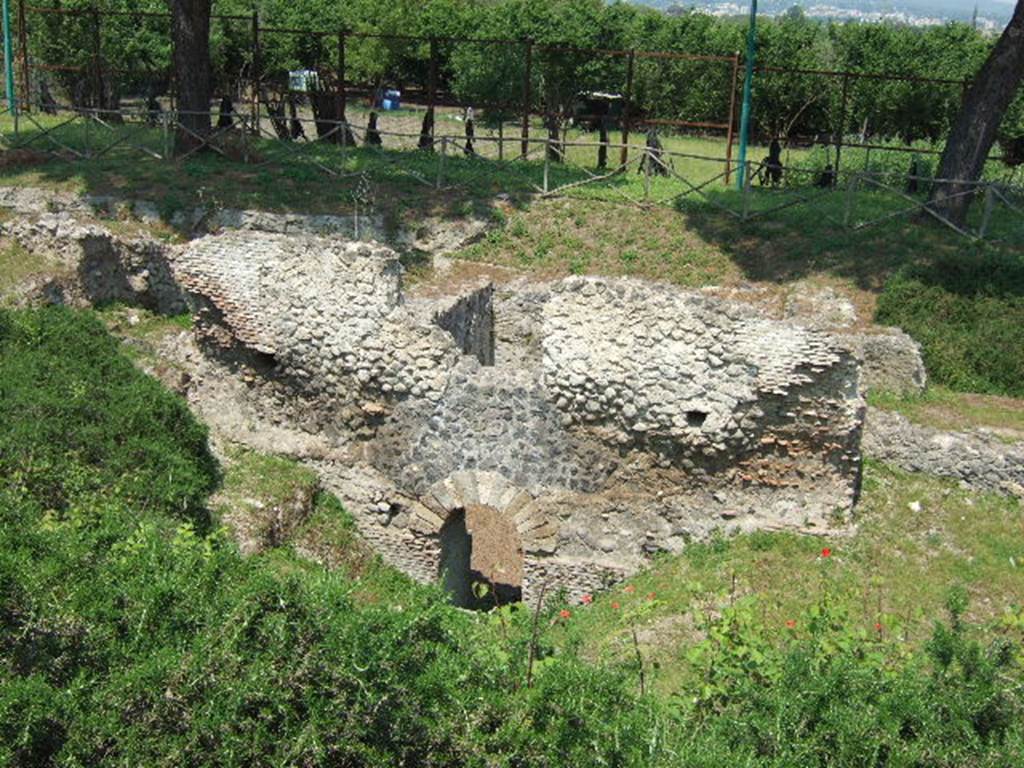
[
  {"x": 607, "y": 419},
  {"x": 470, "y": 321}
]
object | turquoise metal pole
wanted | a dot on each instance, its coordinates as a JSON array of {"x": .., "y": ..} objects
[
  {"x": 748, "y": 81},
  {"x": 9, "y": 58}
]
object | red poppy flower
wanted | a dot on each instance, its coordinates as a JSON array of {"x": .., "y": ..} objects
[
  {"x": 565, "y": 614},
  {"x": 826, "y": 552},
  {"x": 587, "y": 599},
  {"x": 791, "y": 623},
  {"x": 878, "y": 626},
  {"x": 629, "y": 588},
  {"x": 615, "y": 606}
]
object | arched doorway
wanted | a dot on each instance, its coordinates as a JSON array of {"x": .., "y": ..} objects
[
  {"x": 480, "y": 545},
  {"x": 456, "y": 553}
]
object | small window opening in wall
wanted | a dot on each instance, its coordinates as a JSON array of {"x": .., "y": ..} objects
[
  {"x": 481, "y": 559},
  {"x": 696, "y": 418},
  {"x": 264, "y": 362}
]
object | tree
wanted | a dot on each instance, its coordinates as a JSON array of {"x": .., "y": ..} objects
[
  {"x": 190, "y": 30},
  {"x": 977, "y": 124}
]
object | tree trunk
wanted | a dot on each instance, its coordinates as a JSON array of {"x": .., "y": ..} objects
[
  {"x": 191, "y": 35},
  {"x": 975, "y": 128},
  {"x": 329, "y": 114}
]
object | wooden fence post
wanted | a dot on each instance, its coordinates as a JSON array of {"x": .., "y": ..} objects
[
  {"x": 440, "y": 163},
  {"x": 246, "y": 157},
  {"x": 26, "y": 88},
  {"x": 255, "y": 76},
  {"x": 165, "y": 127},
  {"x": 624, "y": 155},
  {"x": 840, "y": 128},
  {"x": 342, "y": 95},
  {"x": 527, "y": 77},
  {"x": 547, "y": 162},
  {"x": 87, "y": 153},
  {"x": 731, "y": 132},
  {"x": 648, "y": 161},
  {"x": 747, "y": 183},
  {"x": 851, "y": 190},
  {"x": 986, "y": 217}
]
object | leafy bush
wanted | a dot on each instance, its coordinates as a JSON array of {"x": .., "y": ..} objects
[
  {"x": 967, "y": 312},
  {"x": 79, "y": 420},
  {"x": 828, "y": 694}
]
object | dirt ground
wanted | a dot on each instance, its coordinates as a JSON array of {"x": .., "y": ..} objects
[{"x": 497, "y": 554}]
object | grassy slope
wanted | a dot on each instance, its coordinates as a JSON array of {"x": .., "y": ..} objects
[{"x": 896, "y": 569}]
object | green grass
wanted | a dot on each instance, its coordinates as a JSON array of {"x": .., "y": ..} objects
[
  {"x": 255, "y": 480},
  {"x": 896, "y": 569},
  {"x": 945, "y": 409},
  {"x": 141, "y": 324},
  {"x": 694, "y": 246},
  {"x": 285, "y": 176},
  {"x": 967, "y": 311}
]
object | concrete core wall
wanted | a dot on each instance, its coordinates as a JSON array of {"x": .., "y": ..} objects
[
  {"x": 470, "y": 321},
  {"x": 597, "y": 421}
]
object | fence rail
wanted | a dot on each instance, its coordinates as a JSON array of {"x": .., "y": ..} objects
[
  {"x": 649, "y": 175},
  {"x": 520, "y": 98}
]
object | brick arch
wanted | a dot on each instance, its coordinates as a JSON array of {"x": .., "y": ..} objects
[{"x": 465, "y": 489}]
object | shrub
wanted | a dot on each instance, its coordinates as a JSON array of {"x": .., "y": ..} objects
[
  {"x": 78, "y": 419},
  {"x": 825, "y": 693}
]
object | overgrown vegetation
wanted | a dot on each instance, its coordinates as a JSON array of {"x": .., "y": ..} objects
[
  {"x": 967, "y": 310},
  {"x": 132, "y": 635},
  {"x": 81, "y": 424}
]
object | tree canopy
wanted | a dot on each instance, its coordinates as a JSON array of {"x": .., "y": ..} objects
[{"x": 139, "y": 50}]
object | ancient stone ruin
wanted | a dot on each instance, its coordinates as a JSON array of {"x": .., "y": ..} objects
[
  {"x": 496, "y": 429},
  {"x": 531, "y": 434}
]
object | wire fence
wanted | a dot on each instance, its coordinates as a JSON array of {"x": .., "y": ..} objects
[
  {"x": 492, "y": 115},
  {"x": 300, "y": 81},
  {"x": 639, "y": 174}
]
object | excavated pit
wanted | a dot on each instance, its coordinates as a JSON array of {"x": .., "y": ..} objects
[
  {"x": 575, "y": 427},
  {"x": 602, "y": 421}
]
